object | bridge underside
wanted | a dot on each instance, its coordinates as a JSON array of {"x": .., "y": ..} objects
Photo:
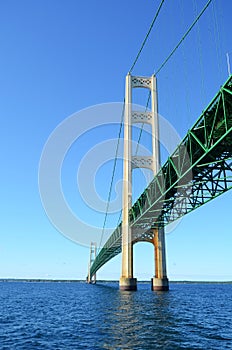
[{"x": 199, "y": 170}]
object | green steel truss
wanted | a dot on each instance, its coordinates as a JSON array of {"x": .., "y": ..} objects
[{"x": 199, "y": 170}]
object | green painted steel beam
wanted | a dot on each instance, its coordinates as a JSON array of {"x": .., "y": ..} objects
[{"x": 199, "y": 170}]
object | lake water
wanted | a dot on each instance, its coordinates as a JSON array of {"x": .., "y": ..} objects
[{"x": 63, "y": 315}]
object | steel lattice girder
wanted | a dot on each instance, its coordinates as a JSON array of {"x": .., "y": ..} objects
[{"x": 199, "y": 170}]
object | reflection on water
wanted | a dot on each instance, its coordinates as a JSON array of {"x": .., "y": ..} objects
[
  {"x": 80, "y": 316},
  {"x": 139, "y": 319},
  {"x": 148, "y": 320},
  {"x": 125, "y": 323}
]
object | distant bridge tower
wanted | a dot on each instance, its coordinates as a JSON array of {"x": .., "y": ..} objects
[
  {"x": 93, "y": 253},
  {"x": 127, "y": 281}
]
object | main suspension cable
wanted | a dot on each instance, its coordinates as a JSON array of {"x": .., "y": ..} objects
[
  {"x": 158, "y": 70},
  {"x": 183, "y": 37},
  {"x": 146, "y": 37},
  {"x": 167, "y": 59},
  {"x": 113, "y": 173},
  {"x": 120, "y": 129}
]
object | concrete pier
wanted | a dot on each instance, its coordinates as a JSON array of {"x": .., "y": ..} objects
[
  {"x": 159, "y": 284},
  {"x": 128, "y": 283},
  {"x": 160, "y": 281}
]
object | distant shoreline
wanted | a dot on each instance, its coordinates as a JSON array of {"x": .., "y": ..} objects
[{"x": 29, "y": 280}]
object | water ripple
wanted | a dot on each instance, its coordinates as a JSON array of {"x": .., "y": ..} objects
[{"x": 79, "y": 316}]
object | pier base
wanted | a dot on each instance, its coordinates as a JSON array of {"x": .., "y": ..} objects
[
  {"x": 90, "y": 282},
  {"x": 159, "y": 284},
  {"x": 128, "y": 283}
]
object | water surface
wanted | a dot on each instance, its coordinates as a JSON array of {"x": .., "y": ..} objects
[{"x": 64, "y": 315}]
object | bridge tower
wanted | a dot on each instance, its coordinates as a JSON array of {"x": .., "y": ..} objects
[
  {"x": 93, "y": 253},
  {"x": 127, "y": 281}
]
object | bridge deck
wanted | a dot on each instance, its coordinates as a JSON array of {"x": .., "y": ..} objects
[{"x": 199, "y": 170}]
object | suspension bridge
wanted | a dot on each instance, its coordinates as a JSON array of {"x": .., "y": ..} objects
[{"x": 198, "y": 171}]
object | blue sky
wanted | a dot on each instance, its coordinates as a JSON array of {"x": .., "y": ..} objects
[{"x": 58, "y": 57}]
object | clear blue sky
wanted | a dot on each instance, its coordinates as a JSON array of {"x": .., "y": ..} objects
[{"x": 58, "y": 57}]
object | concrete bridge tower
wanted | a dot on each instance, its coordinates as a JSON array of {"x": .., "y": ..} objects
[{"x": 127, "y": 281}]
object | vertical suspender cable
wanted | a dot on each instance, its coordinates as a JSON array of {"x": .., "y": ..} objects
[
  {"x": 116, "y": 154},
  {"x": 183, "y": 37},
  {"x": 159, "y": 69},
  {"x": 113, "y": 173},
  {"x": 199, "y": 48},
  {"x": 147, "y": 35}
]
